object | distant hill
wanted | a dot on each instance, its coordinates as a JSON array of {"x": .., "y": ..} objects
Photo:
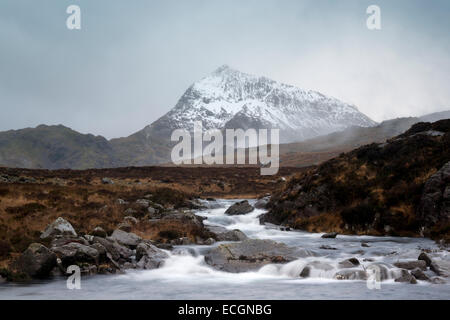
[{"x": 54, "y": 147}]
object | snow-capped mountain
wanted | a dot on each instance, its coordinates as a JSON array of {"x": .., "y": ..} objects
[{"x": 228, "y": 98}]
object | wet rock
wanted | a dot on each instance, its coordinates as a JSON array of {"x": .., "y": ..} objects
[
  {"x": 441, "y": 268},
  {"x": 239, "y": 208},
  {"x": 36, "y": 261},
  {"x": 365, "y": 245},
  {"x": 351, "y": 275},
  {"x": 349, "y": 263},
  {"x": 262, "y": 203},
  {"x": 223, "y": 234},
  {"x": 59, "y": 227},
  {"x": 411, "y": 265},
  {"x": 152, "y": 211},
  {"x": 330, "y": 235},
  {"x": 209, "y": 241},
  {"x": 423, "y": 256},
  {"x": 248, "y": 255},
  {"x": 2, "y": 280},
  {"x": 99, "y": 232},
  {"x": 149, "y": 256},
  {"x": 406, "y": 277},
  {"x": 317, "y": 265},
  {"x": 74, "y": 253},
  {"x": 419, "y": 274}
]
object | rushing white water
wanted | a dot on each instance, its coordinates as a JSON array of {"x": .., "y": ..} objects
[{"x": 185, "y": 275}]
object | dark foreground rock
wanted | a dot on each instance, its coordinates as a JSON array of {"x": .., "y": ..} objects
[
  {"x": 239, "y": 208},
  {"x": 248, "y": 255},
  {"x": 36, "y": 262}
]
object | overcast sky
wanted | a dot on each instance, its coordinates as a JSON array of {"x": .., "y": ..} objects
[{"x": 132, "y": 60}]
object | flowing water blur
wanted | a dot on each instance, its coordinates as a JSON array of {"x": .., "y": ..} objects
[{"x": 185, "y": 275}]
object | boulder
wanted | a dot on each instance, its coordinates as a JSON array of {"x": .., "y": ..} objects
[
  {"x": 149, "y": 256},
  {"x": 239, "y": 208},
  {"x": 124, "y": 226},
  {"x": 37, "y": 261},
  {"x": 59, "y": 227},
  {"x": 127, "y": 239},
  {"x": 423, "y": 256},
  {"x": 441, "y": 268},
  {"x": 248, "y": 255},
  {"x": 262, "y": 203},
  {"x": 419, "y": 275},
  {"x": 349, "y": 263},
  {"x": 411, "y": 265},
  {"x": 74, "y": 253},
  {"x": 330, "y": 235},
  {"x": 115, "y": 250},
  {"x": 223, "y": 234},
  {"x": 406, "y": 277},
  {"x": 99, "y": 232}
]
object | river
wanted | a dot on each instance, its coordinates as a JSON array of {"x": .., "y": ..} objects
[{"x": 185, "y": 275}]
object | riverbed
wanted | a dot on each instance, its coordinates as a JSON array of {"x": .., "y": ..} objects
[{"x": 185, "y": 275}]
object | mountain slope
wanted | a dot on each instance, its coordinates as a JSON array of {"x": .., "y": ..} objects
[{"x": 381, "y": 188}]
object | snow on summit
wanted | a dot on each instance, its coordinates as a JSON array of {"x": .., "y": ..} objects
[{"x": 228, "y": 98}]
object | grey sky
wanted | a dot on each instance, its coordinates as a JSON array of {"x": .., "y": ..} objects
[{"x": 132, "y": 60}]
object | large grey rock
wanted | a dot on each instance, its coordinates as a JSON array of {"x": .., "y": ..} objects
[
  {"x": 406, "y": 277},
  {"x": 262, "y": 203},
  {"x": 239, "y": 208},
  {"x": 74, "y": 253},
  {"x": 128, "y": 239},
  {"x": 441, "y": 268},
  {"x": 223, "y": 234},
  {"x": 248, "y": 255},
  {"x": 349, "y": 263},
  {"x": 37, "y": 261},
  {"x": 116, "y": 250},
  {"x": 59, "y": 227},
  {"x": 149, "y": 256},
  {"x": 411, "y": 265},
  {"x": 99, "y": 232}
]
